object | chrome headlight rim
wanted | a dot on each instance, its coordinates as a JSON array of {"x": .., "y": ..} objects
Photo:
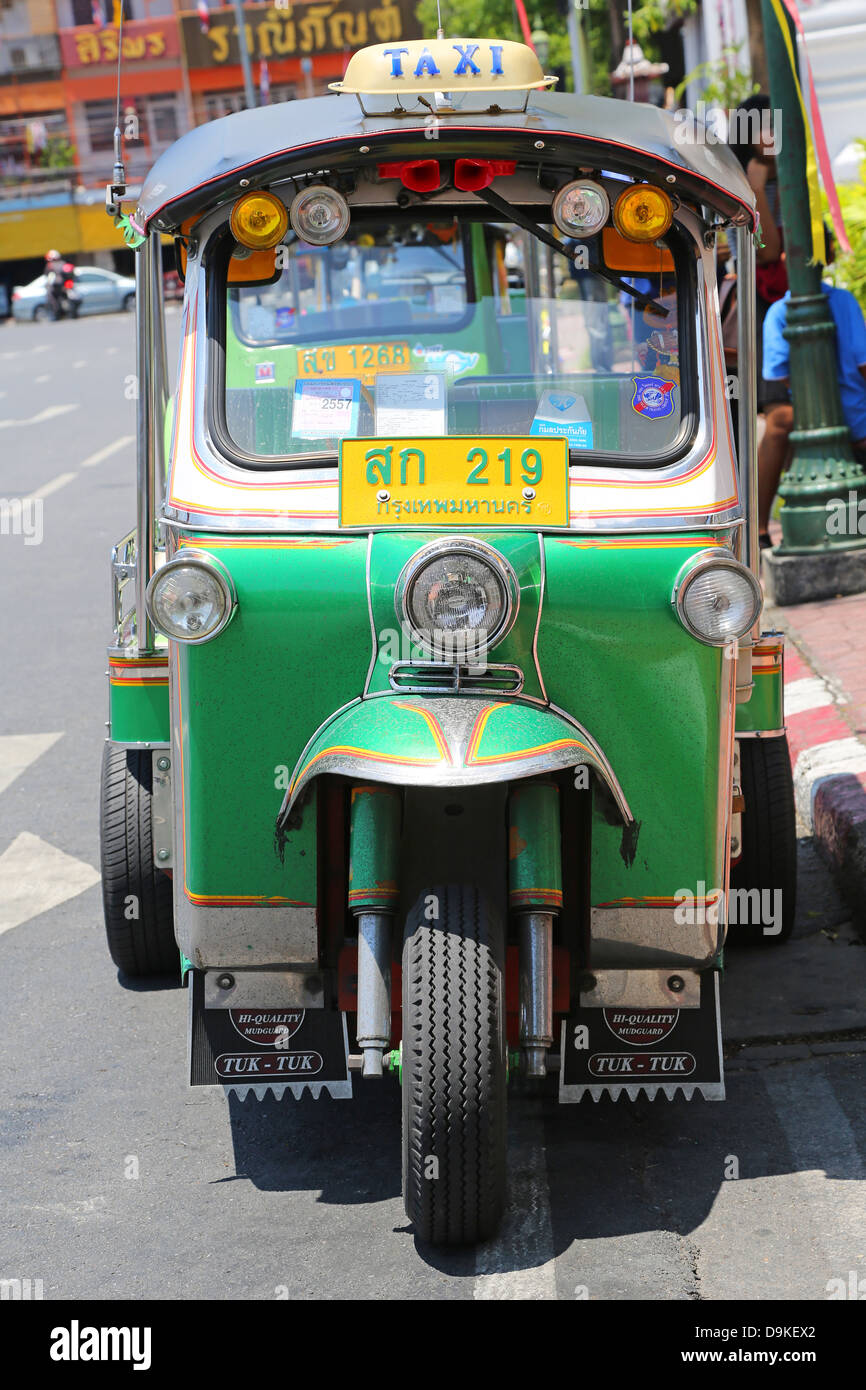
[
  {"x": 698, "y": 565},
  {"x": 197, "y": 559},
  {"x": 479, "y": 550}
]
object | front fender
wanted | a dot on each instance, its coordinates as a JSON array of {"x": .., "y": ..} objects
[{"x": 443, "y": 741}]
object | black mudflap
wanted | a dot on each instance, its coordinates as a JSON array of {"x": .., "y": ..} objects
[
  {"x": 263, "y": 1050},
  {"x": 630, "y": 1050}
]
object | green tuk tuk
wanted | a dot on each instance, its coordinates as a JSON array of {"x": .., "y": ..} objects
[{"x": 445, "y": 740}]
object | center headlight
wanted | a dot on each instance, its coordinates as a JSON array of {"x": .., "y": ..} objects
[
  {"x": 191, "y": 598},
  {"x": 458, "y": 597},
  {"x": 717, "y": 599}
]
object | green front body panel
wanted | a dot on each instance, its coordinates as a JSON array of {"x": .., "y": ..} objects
[
  {"x": 614, "y": 655},
  {"x": 297, "y": 648},
  {"x": 139, "y": 713}
]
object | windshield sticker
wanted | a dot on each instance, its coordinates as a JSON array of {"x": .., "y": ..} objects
[
  {"x": 326, "y": 409},
  {"x": 452, "y": 360},
  {"x": 561, "y": 412},
  {"x": 264, "y": 373},
  {"x": 653, "y": 397},
  {"x": 285, "y": 319},
  {"x": 410, "y": 403}
]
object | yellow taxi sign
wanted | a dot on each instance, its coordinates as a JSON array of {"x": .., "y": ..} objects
[{"x": 442, "y": 65}]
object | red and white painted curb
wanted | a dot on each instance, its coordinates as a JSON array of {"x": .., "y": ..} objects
[{"x": 829, "y": 764}]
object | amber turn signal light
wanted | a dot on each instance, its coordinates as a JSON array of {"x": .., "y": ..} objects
[
  {"x": 643, "y": 213},
  {"x": 259, "y": 221}
]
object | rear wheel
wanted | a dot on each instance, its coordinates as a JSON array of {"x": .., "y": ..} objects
[
  {"x": 129, "y": 303},
  {"x": 136, "y": 895},
  {"x": 42, "y": 313},
  {"x": 769, "y": 858},
  {"x": 453, "y": 1067}
]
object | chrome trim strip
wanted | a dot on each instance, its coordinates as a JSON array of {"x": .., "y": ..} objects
[
  {"x": 748, "y": 389},
  {"x": 762, "y": 733},
  {"x": 466, "y": 683},
  {"x": 542, "y": 588},
  {"x": 374, "y": 639}
]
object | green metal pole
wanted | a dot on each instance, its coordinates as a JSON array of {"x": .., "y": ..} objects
[{"x": 823, "y": 469}]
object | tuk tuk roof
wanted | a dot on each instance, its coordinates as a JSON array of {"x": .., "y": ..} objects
[{"x": 203, "y": 168}]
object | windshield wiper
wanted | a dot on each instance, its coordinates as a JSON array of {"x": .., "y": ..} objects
[{"x": 530, "y": 225}]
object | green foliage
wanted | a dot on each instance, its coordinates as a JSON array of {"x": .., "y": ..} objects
[
  {"x": 498, "y": 18},
  {"x": 652, "y": 16},
  {"x": 57, "y": 153},
  {"x": 850, "y": 271},
  {"x": 725, "y": 83}
]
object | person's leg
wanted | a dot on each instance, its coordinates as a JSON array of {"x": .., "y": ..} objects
[{"x": 772, "y": 454}]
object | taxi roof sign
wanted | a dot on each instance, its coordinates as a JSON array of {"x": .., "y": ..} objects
[{"x": 419, "y": 66}]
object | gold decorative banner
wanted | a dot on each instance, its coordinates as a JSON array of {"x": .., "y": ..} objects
[{"x": 299, "y": 31}]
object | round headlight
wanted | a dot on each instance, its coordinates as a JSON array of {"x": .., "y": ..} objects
[
  {"x": 319, "y": 215},
  {"x": 717, "y": 599},
  {"x": 580, "y": 209},
  {"x": 642, "y": 213},
  {"x": 458, "y": 597},
  {"x": 191, "y": 598},
  {"x": 258, "y": 221}
]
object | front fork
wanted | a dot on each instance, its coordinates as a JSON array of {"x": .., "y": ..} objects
[{"x": 534, "y": 900}]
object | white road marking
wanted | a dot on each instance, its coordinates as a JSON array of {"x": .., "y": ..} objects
[
  {"x": 35, "y": 877},
  {"x": 18, "y": 751},
  {"x": 82, "y": 362},
  {"x": 519, "y": 1263},
  {"x": 111, "y": 351},
  {"x": 38, "y": 380},
  {"x": 41, "y": 347},
  {"x": 840, "y": 757},
  {"x": 49, "y": 413},
  {"x": 109, "y": 449},
  {"x": 809, "y": 693},
  {"x": 54, "y": 485}
]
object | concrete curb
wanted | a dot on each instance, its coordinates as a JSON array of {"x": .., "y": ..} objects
[{"x": 829, "y": 766}]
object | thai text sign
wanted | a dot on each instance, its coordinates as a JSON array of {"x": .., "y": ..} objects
[
  {"x": 144, "y": 41},
  {"x": 300, "y": 30}
]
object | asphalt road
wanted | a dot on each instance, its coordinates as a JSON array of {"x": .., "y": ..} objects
[{"x": 117, "y": 1181}]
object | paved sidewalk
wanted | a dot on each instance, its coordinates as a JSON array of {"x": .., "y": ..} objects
[{"x": 825, "y": 714}]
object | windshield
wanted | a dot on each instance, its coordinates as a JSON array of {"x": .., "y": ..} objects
[{"x": 446, "y": 328}]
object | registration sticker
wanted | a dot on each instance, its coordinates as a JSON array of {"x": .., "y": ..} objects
[
  {"x": 264, "y": 373},
  {"x": 653, "y": 397},
  {"x": 326, "y": 409},
  {"x": 562, "y": 412}
]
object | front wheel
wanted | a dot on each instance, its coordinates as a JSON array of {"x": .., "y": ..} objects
[
  {"x": 453, "y": 1067},
  {"x": 136, "y": 895},
  {"x": 766, "y": 873}
]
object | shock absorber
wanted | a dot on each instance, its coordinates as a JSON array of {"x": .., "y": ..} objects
[
  {"x": 535, "y": 898},
  {"x": 374, "y": 848}
]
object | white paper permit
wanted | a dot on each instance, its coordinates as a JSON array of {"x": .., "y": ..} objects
[
  {"x": 563, "y": 412},
  {"x": 326, "y": 409},
  {"x": 410, "y": 403}
]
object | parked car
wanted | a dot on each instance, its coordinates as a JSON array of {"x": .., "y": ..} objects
[{"x": 101, "y": 292}]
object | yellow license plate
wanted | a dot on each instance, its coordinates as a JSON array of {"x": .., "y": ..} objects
[
  {"x": 363, "y": 360},
  {"x": 460, "y": 481}
]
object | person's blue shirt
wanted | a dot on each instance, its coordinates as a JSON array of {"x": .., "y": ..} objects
[{"x": 850, "y": 352}]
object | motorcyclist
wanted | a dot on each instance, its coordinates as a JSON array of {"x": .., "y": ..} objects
[{"x": 58, "y": 274}]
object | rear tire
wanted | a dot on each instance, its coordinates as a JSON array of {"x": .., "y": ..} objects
[
  {"x": 454, "y": 1069},
  {"x": 142, "y": 944},
  {"x": 129, "y": 304},
  {"x": 769, "y": 858},
  {"x": 42, "y": 314}
]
